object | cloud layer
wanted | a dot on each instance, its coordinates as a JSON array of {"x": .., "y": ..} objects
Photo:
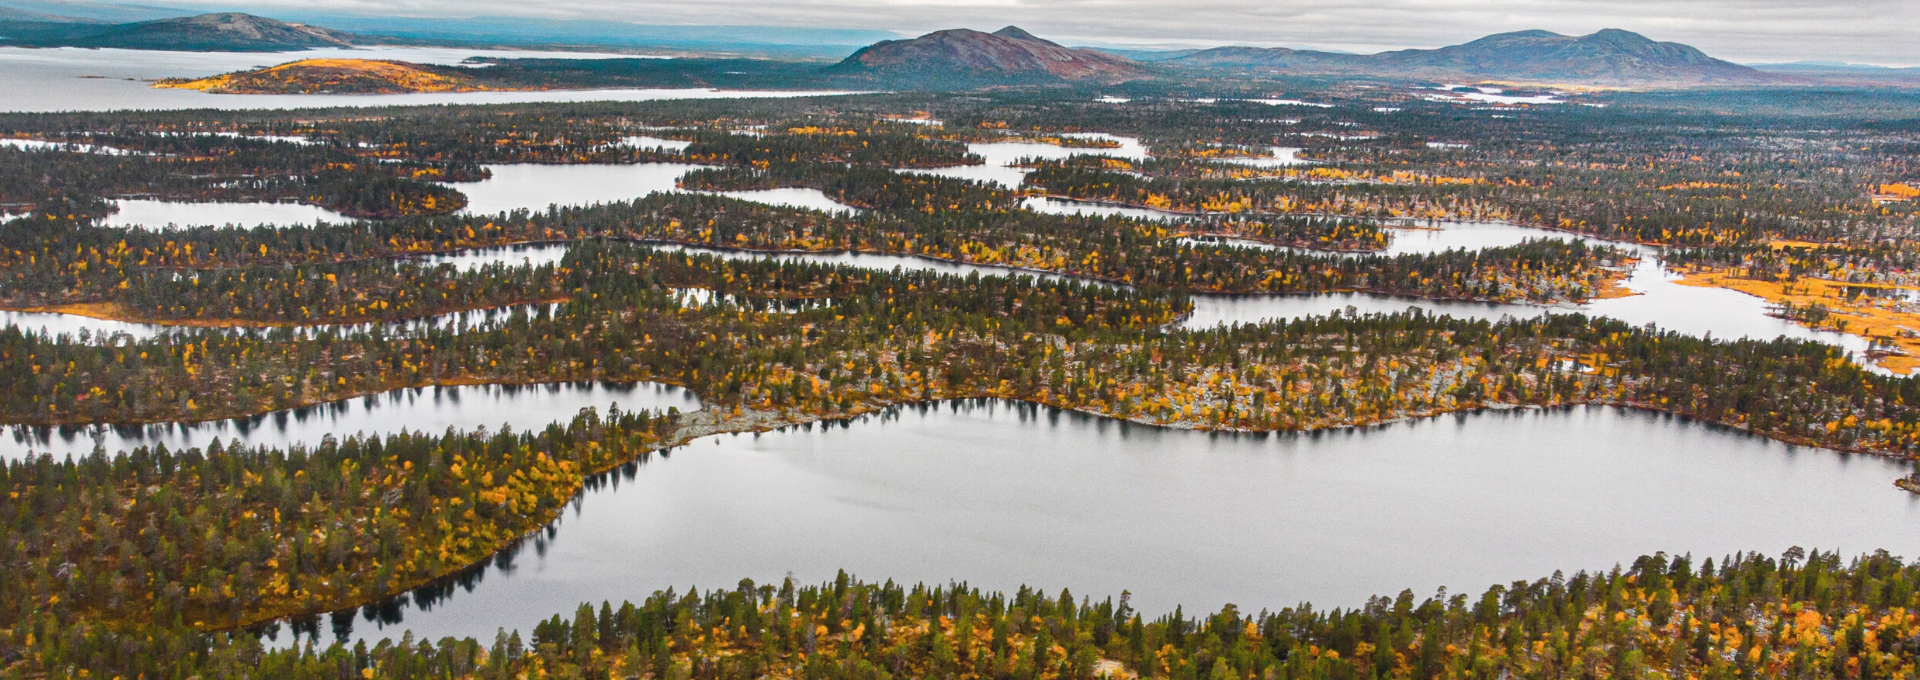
[{"x": 1873, "y": 31}]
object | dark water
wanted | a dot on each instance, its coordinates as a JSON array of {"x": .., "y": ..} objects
[
  {"x": 431, "y": 409},
  {"x": 1001, "y": 495}
]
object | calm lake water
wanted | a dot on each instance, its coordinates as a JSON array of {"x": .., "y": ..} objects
[
  {"x": 536, "y": 187},
  {"x": 74, "y": 79},
  {"x": 1278, "y": 156},
  {"x": 531, "y": 187},
  {"x": 1001, "y": 495},
  {"x": 432, "y": 409},
  {"x": 1000, "y": 157},
  {"x": 172, "y": 214}
]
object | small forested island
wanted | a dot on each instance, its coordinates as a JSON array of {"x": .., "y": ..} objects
[{"x": 1055, "y": 223}]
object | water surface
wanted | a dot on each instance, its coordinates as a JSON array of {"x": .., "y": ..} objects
[
  {"x": 74, "y": 79},
  {"x": 1003, "y": 495},
  {"x": 535, "y": 187},
  {"x": 792, "y": 197},
  {"x": 153, "y": 214},
  {"x": 1000, "y": 157},
  {"x": 431, "y": 410}
]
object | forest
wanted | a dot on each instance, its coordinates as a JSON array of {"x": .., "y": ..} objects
[
  {"x": 1803, "y": 614},
  {"x": 164, "y": 563}
]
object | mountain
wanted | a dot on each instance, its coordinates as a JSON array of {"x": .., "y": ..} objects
[
  {"x": 222, "y": 32},
  {"x": 1609, "y": 57},
  {"x": 961, "y": 57}
]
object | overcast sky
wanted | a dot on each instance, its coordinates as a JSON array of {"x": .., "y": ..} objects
[{"x": 1871, "y": 31}]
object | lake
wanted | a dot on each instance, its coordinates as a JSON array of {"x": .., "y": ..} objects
[
  {"x": 529, "y": 186},
  {"x": 535, "y": 187},
  {"x": 1000, "y": 157},
  {"x": 532, "y": 187},
  {"x": 431, "y": 409},
  {"x": 76, "y": 79},
  {"x": 154, "y": 214},
  {"x": 1000, "y": 494}
]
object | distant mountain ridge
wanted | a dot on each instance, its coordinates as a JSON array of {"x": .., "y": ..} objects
[
  {"x": 1609, "y": 57},
  {"x": 219, "y": 32},
  {"x": 962, "y": 57}
]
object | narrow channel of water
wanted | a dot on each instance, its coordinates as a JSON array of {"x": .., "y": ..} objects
[
  {"x": 1059, "y": 206},
  {"x": 532, "y": 255},
  {"x": 83, "y": 328},
  {"x": 1002, "y": 494},
  {"x": 792, "y": 197},
  {"x": 431, "y": 410}
]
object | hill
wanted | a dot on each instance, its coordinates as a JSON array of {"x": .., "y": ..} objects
[
  {"x": 370, "y": 76},
  {"x": 222, "y": 32},
  {"x": 1610, "y": 57},
  {"x": 334, "y": 76},
  {"x": 967, "y": 58}
]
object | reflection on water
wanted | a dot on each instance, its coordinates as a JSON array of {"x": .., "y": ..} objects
[
  {"x": 535, "y": 187},
  {"x": 791, "y": 197},
  {"x": 84, "y": 329},
  {"x": 173, "y": 214},
  {"x": 1441, "y": 237},
  {"x": 1225, "y": 310},
  {"x": 1058, "y": 206},
  {"x": 1431, "y": 237},
  {"x": 431, "y": 410},
  {"x": 1000, "y": 157},
  {"x": 1002, "y": 495},
  {"x": 647, "y": 142},
  {"x": 874, "y": 261},
  {"x": 42, "y": 145},
  {"x": 528, "y": 186},
  {"x": 1279, "y": 156},
  {"x": 55, "y": 324},
  {"x": 530, "y": 255}
]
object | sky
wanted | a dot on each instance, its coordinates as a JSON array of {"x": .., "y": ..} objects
[{"x": 1885, "y": 32}]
